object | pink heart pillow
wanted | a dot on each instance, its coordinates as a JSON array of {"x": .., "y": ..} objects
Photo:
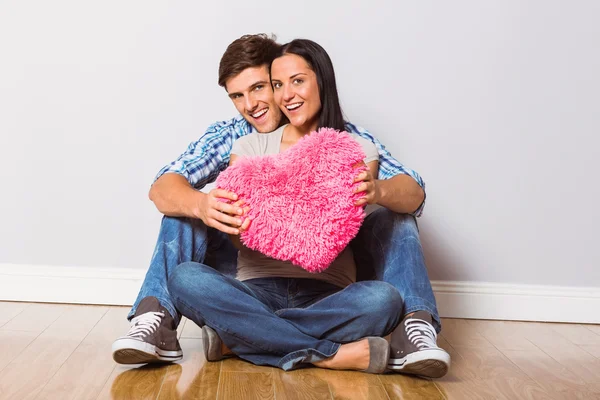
[{"x": 301, "y": 201}]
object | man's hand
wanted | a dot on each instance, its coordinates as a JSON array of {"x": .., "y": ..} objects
[
  {"x": 220, "y": 215},
  {"x": 369, "y": 185}
]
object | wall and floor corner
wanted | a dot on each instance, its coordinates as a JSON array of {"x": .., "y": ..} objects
[
  {"x": 495, "y": 105},
  {"x": 480, "y": 300}
]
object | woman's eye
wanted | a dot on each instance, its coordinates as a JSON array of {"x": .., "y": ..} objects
[
  {"x": 276, "y": 85},
  {"x": 298, "y": 81}
]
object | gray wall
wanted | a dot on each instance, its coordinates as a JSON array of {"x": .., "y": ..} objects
[{"x": 496, "y": 104}]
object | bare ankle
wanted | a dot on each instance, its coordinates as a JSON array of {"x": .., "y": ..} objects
[
  {"x": 225, "y": 350},
  {"x": 353, "y": 355}
]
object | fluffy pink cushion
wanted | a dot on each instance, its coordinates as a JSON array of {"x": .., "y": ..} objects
[{"x": 301, "y": 201}]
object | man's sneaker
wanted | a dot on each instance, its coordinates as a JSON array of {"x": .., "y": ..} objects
[
  {"x": 151, "y": 338},
  {"x": 414, "y": 348}
]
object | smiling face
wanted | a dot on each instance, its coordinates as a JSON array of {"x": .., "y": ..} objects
[
  {"x": 296, "y": 91},
  {"x": 252, "y": 96}
]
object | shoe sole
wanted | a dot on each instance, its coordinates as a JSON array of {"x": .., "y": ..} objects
[
  {"x": 427, "y": 363},
  {"x": 131, "y": 351}
]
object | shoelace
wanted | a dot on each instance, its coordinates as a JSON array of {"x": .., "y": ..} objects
[
  {"x": 421, "y": 333},
  {"x": 145, "y": 324}
]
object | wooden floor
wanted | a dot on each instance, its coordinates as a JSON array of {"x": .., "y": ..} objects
[{"x": 50, "y": 351}]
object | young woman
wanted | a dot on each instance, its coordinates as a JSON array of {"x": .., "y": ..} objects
[{"x": 276, "y": 313}]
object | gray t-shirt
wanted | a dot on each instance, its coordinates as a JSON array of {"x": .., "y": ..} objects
[{"x": 253, "y": 264}]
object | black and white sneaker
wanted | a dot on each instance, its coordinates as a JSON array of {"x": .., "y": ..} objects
[
  {"x": 152, "y": 337},
  {"x": 415, "y": 350}
]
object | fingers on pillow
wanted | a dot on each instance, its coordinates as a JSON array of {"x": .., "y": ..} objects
[{"x": 224, "y": 194}]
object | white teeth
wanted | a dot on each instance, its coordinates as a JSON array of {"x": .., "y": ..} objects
[
  {"x": 260, "y": 113},
  {"x": 293, "y": 106}
]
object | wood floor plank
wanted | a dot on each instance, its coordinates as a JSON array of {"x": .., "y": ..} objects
[
  {"x": 193, "y": 378},
  {"x": 459, "y": 332},
  {"x": 9, "y": 309},
  {"x": 350, "y": 384},
  {"x": 12, "y": 343},
  {"x": 576, "y": 334},
  {"x": 504, "y": 335},
  {"x": 571, "y": 356},
  {"x": 466, "y": 382},
  {"x": 246, "y": 385},
  {"x": 593, "y": 350},
  {"x": 239, "y": 365},
  {"x": 359, "y": 393},
  {"x": 400, "y": 386},
  {"x": 191, "y": 330},
  {"x": 300, "y": 385},
  {"x": 36, "y": 317},
  {"x": 345, "y": 378},
  {"x": 27, "y": 374},
  {"x": 559, "y": 382},
  {"x": 63, "y": 352},
  {"x": 129, "y": 383},
  {"x": 485, "y": 373},
  {"x": 84, "y": 373},
  {"x": 594, "y": 328},
  {"x": 493, "y": 367}
]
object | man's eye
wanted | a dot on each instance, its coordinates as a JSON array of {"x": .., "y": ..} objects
[
  {"x": 235, "y": 96},
  {"x": 258, "y": 87}
]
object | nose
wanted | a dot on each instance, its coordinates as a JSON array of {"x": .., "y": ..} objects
[
  {"x": 251, "y": 103},
  {"x": 288, "y": 93}
]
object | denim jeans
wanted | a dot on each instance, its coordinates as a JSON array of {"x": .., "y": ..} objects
[
  {"x": 283, "y": 322},
  {"x": 386, "y": 248},
  {"x": 181, "y": 240}
]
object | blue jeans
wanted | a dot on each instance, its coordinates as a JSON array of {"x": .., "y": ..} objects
[
  {"x": 389, "y": 244},
  {"x": 386, "y": 248},
  {"x": 283, "y": 322},
  {"x": 181, "y": 240}
]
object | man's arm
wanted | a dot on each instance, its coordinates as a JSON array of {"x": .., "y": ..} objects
[
  {"x": 400, "y": 193},
  {"x": 174, "y": 196},
  {"x": 174, "y": 191},
  {"x": 397, "y": 188}
]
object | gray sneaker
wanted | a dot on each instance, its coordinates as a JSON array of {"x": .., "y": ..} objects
[
  {"x": 415, "y": 350},
  {"x": 152, "y": 337}
]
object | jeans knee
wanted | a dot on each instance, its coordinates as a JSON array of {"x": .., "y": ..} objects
[
  {"x": 172, "y": 228},
  {"x": 190, "y": 278},
  {"x": 383, "y": 300},
  {"x": 403, "y": 225}
]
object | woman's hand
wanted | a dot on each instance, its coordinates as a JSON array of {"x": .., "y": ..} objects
[
  {"x": 246, "y": 222},
  {"x": 369, "y": 185}
]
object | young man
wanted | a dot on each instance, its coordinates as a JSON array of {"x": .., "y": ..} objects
[{"x": 196, "y": 225}]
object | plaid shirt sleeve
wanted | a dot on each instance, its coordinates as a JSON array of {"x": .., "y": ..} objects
[
  {"x": 388, "y": 165},
  {"x": 205, "y": 158}
]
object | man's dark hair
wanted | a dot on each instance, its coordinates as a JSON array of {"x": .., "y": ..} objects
[
  {"x": 249, "y": 51},
  {"x": 318, "y": 60}
]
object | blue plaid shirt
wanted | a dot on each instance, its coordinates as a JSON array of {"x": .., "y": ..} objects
[{"x": 205, "y": 158}]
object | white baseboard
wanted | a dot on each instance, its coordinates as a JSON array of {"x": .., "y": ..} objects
[
  {"x": 77, "y": 285},
  {"x": 480, "y": 300}
]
